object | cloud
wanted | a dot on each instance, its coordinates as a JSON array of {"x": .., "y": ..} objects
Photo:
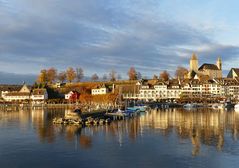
[{"x": 99, "y": 36}]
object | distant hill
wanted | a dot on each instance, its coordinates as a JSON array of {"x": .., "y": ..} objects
[{"x": 12, "y": 78}]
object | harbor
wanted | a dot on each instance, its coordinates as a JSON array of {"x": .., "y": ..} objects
[
  {"x": 77, "y": 117},
  {"x": 193, "y": 134}
]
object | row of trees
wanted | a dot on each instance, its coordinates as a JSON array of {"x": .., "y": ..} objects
[
  {"x": 51, "y": 75},
  {"x": 113, "y": 75},
  {"x": 180, "y": 73}
]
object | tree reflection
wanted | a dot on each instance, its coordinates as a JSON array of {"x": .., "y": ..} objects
[
  {"x": 85, "y": 141},
  {"x": 200, "y": 127}
]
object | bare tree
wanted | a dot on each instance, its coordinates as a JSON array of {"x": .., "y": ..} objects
[
  {"x": 132, "y": 74},
  {"x": 62, "y": 76},
  {"x": 164, "y": 76},
  {"x": 155, "y": 77},
  {"x": 79, "y": 74},
  {"x": 181, "y": 72},
  {"x": 94, "y": 77},
  {"x": 70, "y": 74},
  {"x": 112, "y": 75}
]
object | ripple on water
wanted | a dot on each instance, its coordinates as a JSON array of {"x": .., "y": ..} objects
[{"x": 167, "y": 138}]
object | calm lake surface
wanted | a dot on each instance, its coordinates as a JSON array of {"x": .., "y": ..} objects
[{"x": 164, "y": 138}]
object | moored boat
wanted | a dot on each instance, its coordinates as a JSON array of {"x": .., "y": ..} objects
[
  {"x": 190, "y": 105},
  {"x": 218, "y": 106},
  {"x": 236, "y": 107}
]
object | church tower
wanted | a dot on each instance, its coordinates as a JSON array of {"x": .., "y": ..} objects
[
  {"x": 219, "y": 63},
  {"x": 194, "y": 63}
]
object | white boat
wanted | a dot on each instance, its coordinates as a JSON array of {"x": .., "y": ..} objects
[
  {"x": 190, "y": 105},
  {"x": 236, "y": 107},
  {"x": 141, "y": 108},
  {"x": 218, "y": 106}
]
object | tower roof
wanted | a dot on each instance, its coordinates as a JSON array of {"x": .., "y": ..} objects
[{"x": 194, "y": 57}]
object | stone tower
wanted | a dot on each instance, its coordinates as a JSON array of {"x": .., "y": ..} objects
[
  {"x": 194, "y": 63},
  {"x": 219, "y": 63}
]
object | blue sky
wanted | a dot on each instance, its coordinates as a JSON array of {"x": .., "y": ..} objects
[{"x": 100, "y": 35}]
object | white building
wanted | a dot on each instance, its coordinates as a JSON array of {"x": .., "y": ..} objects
[
  {"x": 39, "y": 95},
  {"x": 158, "y": 91},
  {"x": 23, "y": 94},
  {"x": 99, "y": 90}
]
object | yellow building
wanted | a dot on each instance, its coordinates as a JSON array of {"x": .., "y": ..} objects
[{"x": 210, "y": 70}]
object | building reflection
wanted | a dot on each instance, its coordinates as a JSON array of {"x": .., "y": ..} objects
[
  {"x": 198, "y": 127},
  {"x": 21, "y": 119},
  {"x": 202, "y": 126},
  {"x": 41, "y": 121}
]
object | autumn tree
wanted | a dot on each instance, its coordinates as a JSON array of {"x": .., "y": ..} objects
[
  {"x": 164, "y": 76},
  {"x": 62, "y": 76},
  {"x": 94, "y": 77},
  {"x": 112, "y": 75},
  {"x": 51, "y": 74},
  {"x": 86, "y": 98},
  {"x": 70, "y": 74},
  {"x": 42, "y": 78},
  {"x": 181, "y": 72},
  {"x": 79, "y": 74},
  {"x": 132, "y": 74}
]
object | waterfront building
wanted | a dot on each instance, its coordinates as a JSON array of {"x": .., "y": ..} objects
[
  {"x": 196, "y": 88},
  {"x": 174, "y": 90},
  {"x": 156, "y": 90},
  {"x": 39, "y": 95},
  {"x": 4, "y": 89},
  {"x": 23, "y": 94},
  {"x": 229, "y": 87},
  {"x": 186, "y": 88},
  {"x": 191, "y": 88}
]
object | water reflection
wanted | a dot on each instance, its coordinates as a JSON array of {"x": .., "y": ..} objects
[
  {"x": 200, "y": 127},
  {"x": 203, "y": 126}
]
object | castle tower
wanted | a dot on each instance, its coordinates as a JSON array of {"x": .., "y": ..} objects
[
  {"x": 194, "y": 63},
  {"x": 219, "y": 63}
]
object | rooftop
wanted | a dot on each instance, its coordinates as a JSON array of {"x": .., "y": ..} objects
[{"x": 208, "y": 66}]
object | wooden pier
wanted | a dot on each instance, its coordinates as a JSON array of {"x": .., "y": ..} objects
[{"x": 121, "y": 116}]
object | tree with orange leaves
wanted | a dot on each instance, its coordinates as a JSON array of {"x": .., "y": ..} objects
[{"x": 70, "y": 74}]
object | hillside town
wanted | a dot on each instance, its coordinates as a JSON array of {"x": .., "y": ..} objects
[{"x": 196, "y": 84}]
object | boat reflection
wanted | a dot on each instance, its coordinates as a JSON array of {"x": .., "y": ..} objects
[{"x": 197, "y": 127}]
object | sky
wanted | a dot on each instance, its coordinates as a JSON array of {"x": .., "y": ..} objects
[{"x": 101, "y": 35}]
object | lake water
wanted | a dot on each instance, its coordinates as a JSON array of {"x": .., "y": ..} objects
[{"x": 164, "y": 138}]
